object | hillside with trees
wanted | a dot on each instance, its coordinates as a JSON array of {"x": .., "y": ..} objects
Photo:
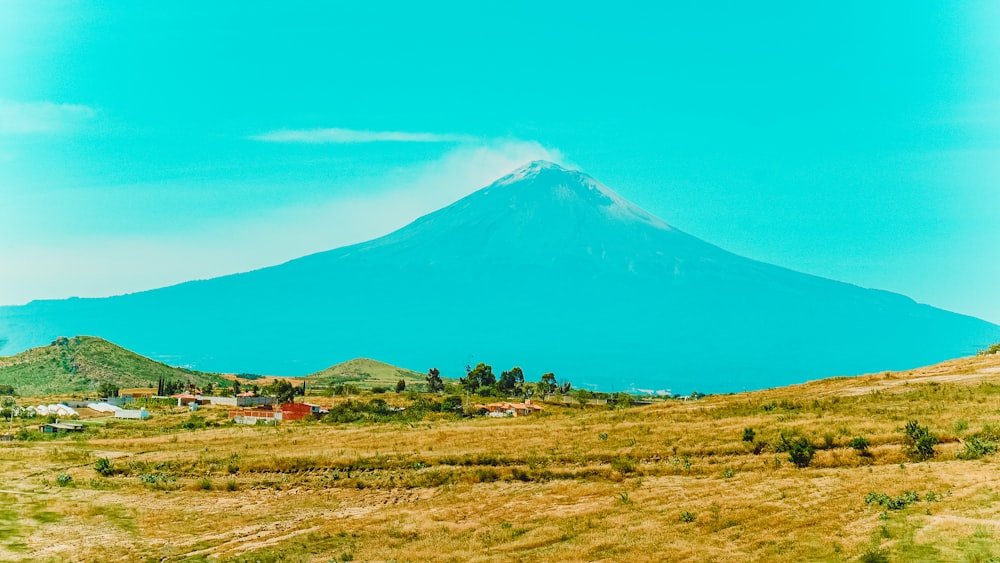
[{"x": 85, "y": 364}]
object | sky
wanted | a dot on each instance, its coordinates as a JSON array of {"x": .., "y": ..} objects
[{"x": 145, "y": 144}]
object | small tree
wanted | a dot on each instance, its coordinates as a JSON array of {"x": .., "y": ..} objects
[
  {"x": 511, "y": 382},
  {"x": 400, "y": 386},
  {"x": 104, "y": 467},
  {"x": 479, "y": 379},
  {"x": 919, "y": 441},
  {"x": 282, "y": 391},
  {"x": 749, "y": 435},
  {"x": 434, "y": 382},
  {"x": 107, "y": 389},
  {"x": 801, "y": 452},
  {"x": 547, "y": 384}
]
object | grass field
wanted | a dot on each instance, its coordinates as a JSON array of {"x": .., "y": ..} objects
[{"x": 677, "y": 480}]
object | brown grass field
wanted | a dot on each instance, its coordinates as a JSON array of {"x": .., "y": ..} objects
[{"x": 673, "y": 481}]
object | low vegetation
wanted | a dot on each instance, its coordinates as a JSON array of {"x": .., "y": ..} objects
[{"x": 872, "y": 468}]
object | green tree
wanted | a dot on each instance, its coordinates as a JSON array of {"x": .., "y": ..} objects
[
  {"x": 282, "y": 391},
  {"x": 480, "y": 379},
  {"x": 547, "y": 384},
  {"x": 749, "y": 435},
  {"x": 400, "y": 386},
  {"x": 451, "y": 403},
  {"x": 107, "y": 389},
  {"x": 801, "y": 452},
  {"x": 434, "y": 382},
  {"x": 919, "y": 441},
  {"x": 511, "y": 382}
]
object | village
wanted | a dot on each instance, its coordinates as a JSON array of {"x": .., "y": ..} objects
[{"x": 245, "y": 408}]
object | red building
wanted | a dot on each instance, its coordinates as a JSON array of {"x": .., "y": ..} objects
[{"x": 294, "y": 411}]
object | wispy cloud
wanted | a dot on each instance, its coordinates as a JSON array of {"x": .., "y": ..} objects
[
  {"x": 20, "y": 118},
  {"x": 338, "y": 135}
]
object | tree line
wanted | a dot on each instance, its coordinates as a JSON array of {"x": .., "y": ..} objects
[{"x": 480, "y": 380}]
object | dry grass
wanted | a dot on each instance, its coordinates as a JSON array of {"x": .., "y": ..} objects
[{"x": 573, "y": 484}]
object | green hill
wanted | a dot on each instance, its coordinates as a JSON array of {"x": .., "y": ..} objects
[
  {"x": 82, "y": 363},
  {"x": 366, "y": 373}
]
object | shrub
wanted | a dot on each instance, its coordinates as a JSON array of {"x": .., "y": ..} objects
[
  {"x": 992, "y": 349},
  {"x": 205, "y": 484},
  {"x": 961, "y": 425},
  {"x": 860, "y": 444},
  {"x": 104, "y": 467},
  {"x": 892, "y": 503},
  {"x": 874, "y": 555},
  {"x": 63, "y": 479},
  {"x": 193, "y": 422},
  {"x": 919, "y": 441},
  {"x": 688, "y": 516},
  {"x": 749, "y": 435},
  {"x": 976, "y": 448},
  {"x": 801, "y": 452},
  {"x": 623, "y": 465}
]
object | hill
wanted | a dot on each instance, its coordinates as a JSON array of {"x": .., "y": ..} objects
[
  {"x": 366, "y": 374},
  {"x": 80, "y": 364},
  {"x": 546, "y": 269}
]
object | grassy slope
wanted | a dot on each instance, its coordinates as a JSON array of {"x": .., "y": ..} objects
[
  {"x": 576, "y": 484},
  {"x": 82, "y": 363},
  {"x": 366, "y": 373}
]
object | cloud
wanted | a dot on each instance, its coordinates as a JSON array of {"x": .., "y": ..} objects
[
  {"x": 20, "y": 118},
  {"x": 337, "y": 135}
]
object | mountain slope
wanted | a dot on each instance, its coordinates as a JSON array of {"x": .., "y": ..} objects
[
  {"x": 545, "y": 268},
  {"x": 82, "y": 363}
]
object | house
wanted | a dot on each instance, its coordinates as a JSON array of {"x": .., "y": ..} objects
[
  {"x": 295, "y": 411},
  {"x": 316, "y": 410},
  {"x": 254, "y": 416},
  {"x": 54, "y": 427},
  {"x": 272, "y": 415},
  {"x": 137, "y": 393},
  {"x": 184, "y": 399},
  {"x": 132, "y": 414},
  {"x": 510, "y": 409}
]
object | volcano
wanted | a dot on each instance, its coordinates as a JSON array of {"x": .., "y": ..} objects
[{"x": 547, "y": 269}]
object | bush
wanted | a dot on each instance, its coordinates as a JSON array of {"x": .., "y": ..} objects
[
  {"x": 104, "y": 467},
  {"x": 874, "y": 555},
  {"x": 688, "y": 516},
  {"x": 976, "y": 448},
  {"x": 801, "y": 452},
  {"x": 892, "y": 503},
  {"x": 193, "y": 422},
  {"x": 919, "y": 441},
  {"x": 860, "y": 444},
  {"x": 623, "y": 465},
  {"x": 63, "y": 479},
  {"x": 749, "y": 435},
  {"x": 992, "y": 349}
]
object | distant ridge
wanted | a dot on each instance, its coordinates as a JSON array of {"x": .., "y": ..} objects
[
  {"x": 366, "y": 373},
  {"x": 546, "y": 269}
]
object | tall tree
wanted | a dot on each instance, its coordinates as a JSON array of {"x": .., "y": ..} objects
[
  {"x": 434, "y": 382},
  {"x": 547, "y": 384},
  {"x": 511, "y": 382},
  {"x": 479, "y": 379}
]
